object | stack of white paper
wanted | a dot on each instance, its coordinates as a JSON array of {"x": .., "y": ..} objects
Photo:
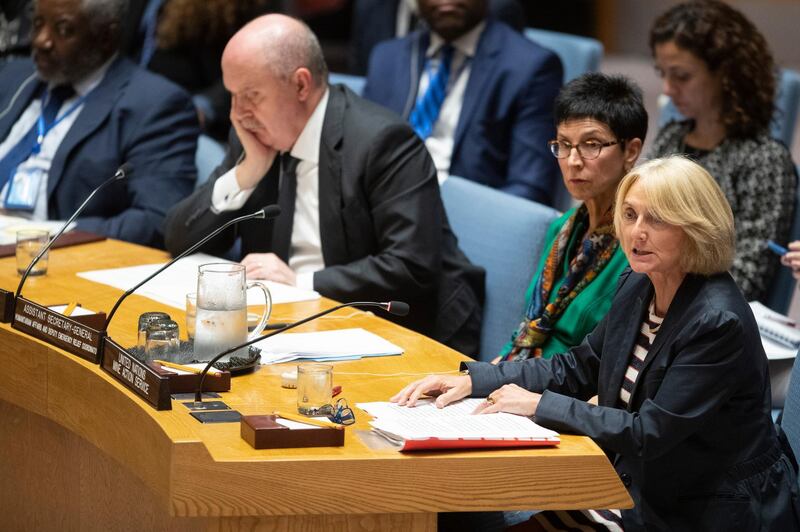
[
  {"x": 9, "y": 225},
  {"x": 342, "y": 344},
  {"x": 171, "y": 286},
  {"x": 427, "y": 427},
  {"x": 484, "y": 427},
  {"x": 425, "y": 409},
  {"x": 779, "y": 335}
]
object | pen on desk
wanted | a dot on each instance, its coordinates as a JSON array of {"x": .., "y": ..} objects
[
  {"x": 275, "y": 326},
  {"x": 336, "y": 390},
  {"x": 70, "y": 308},
  {"x": 308, "y": 420},
  {"x": 190, "y": 369},
  {"x": 776, "y": 248}
]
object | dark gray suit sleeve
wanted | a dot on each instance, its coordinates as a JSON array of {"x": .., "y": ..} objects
[
  {"x": 572, "y": 373},
  {"x": 406, "y": 215},
  {"x": 192, "y": 219},
  {"x": 700, "y": 379}
]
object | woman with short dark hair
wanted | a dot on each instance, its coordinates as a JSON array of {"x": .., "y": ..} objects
[
  {"x": 719, "y": 72},
  {"x": 601, "y": 124}
]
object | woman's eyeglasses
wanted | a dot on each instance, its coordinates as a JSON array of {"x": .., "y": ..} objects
[{"x": 588, "y": 149}]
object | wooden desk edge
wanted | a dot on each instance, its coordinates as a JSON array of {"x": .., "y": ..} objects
[{"x": 172, "y": 460}]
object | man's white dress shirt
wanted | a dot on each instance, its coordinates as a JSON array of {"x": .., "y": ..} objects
[
  {"x": 305, "y": 253},
  {"x": 440, "y": 142}
]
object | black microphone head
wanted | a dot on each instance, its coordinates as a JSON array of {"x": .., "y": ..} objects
[
  {"x": 124, "y": 171},
  {"x": 398, "y": 308},
  {"x": 271, "y": 211}
]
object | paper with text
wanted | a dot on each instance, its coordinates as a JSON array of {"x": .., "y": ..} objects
[
  {"x": 9, "y": 225},
  {"x": 425, "y": 409},
  {"x": 779, "y": 334},
  {"x": 453, "y": 422},
  {"x": 341, "y": 344},
  {"x": 172, "y": 285}
]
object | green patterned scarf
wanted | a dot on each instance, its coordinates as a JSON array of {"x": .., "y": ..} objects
[{"x": 594, "y": 253}]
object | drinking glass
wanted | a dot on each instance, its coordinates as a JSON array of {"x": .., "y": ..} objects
[
  {"x": 29, "y": 243},
  {"x": 145, "y": 320},
  {"x": 314, "y": 385},
  {"x": 221, "y": 319},
  {"x": 162, "y": 341}
]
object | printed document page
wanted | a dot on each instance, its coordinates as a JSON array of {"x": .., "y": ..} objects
[
  {"x": 341, "y": 344},
  {"x": 452, "y": 422},
  {"x": 779, "y": 334},
  {"x": 9, "y": 225},
  {"x": 425, "y": 409},
  {"x": 172, "y": 285},
  {"x": 478, "y": 427}
]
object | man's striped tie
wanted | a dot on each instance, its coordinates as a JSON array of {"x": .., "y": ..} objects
[{"x": 426, "y": 112}]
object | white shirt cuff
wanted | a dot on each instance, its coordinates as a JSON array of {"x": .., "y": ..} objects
[
  {"x": 305, "y": 280},
  {"x": 227, "y": 196}
]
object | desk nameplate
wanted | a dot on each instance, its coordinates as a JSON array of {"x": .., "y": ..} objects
[
  {"x": 76, "y": 335},
  {"x": 137, "y": 376},
  {"x": 6, "y": 306}
]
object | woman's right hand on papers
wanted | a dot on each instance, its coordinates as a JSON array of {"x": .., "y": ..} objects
[{"x": 446, "y": 389}]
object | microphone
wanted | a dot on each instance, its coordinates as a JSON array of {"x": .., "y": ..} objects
[
  {"x": 267, "y": 213},
  {"x": 398, "y": 308},
  {"x": 122, "y": 172}
]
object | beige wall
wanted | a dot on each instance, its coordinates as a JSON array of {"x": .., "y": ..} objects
[{"x": 778, "y": 20}]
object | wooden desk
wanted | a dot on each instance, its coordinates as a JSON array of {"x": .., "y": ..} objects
[{"x": 78, "y": 451}]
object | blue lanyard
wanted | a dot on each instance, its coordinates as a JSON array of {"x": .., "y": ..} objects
[{"x": 42, "y": 129}]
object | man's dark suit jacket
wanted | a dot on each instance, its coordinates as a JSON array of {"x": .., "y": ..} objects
[
  {"x": 131, "y": 116},
  {"x": 375, "y": 21},
  {"x": 507, "y": 114},
  {"x": 698, "y": 423},
  {"x": 383, "y": 228}
]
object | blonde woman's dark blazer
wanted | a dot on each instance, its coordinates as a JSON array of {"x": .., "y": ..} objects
[{"x": 696, "y": 447}]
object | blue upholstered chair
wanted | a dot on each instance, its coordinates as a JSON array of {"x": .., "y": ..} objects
[
  {"x": 354, "y": 83},
  {"x": 208, "y": 156},
  {"x": 504, "y": 234},
  {"x": 578, "y": 54},
  {"x": 790, "y": 420},
  {"x": 788, "y": 105},
  {"x": 784, "y": 120},
  {"x": 781, "y": 289}
]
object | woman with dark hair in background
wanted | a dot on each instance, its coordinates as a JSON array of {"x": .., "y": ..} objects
[
  {"x": 720, "y": 74},
  {"x": 183, "y": 41}
]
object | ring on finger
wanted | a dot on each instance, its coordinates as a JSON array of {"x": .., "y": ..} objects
[{"x": 490, "y": 400}]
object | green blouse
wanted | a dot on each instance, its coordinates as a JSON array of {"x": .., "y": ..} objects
[{"x": 589, "y": 307}]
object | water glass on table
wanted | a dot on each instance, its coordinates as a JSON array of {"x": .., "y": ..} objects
[
  {"x": 29, "y": 244},
  {"x": 146, "y": 319},
  {"x": 162, "y": 341},
  {"x": 314, "y": 385}
]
